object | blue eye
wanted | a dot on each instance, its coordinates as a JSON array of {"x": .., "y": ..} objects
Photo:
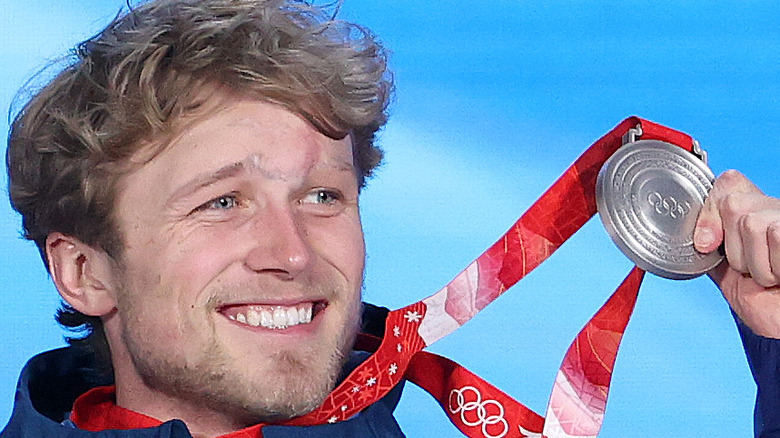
[
  {"x": 326, "y": 197},
  {"x": 225, "y": 202}
]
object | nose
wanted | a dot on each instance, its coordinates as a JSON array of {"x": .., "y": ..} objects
[{"x": 280, "y": 244}]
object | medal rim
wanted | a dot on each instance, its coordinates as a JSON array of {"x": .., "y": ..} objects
[{"x": 619, "y": 231}]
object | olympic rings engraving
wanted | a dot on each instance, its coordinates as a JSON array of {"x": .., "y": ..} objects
[
  {"x": 668, "y": 205},
  {"x": 480, "y": 408}
]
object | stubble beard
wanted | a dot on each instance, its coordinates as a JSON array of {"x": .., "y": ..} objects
[{"x": 297, "y": 382}]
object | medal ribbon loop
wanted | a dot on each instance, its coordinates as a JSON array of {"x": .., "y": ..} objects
[{"x": 579, "y": 395}]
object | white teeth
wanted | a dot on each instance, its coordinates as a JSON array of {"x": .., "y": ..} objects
[
  {"x": 292, "y": 316},
  {"x": 267, "y": 319},
  {"x": 280, "y": 317},
  {"x": 253, "y": 317},
  {"x": 277, "y": 317}
]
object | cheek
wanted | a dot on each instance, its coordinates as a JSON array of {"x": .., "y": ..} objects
[
  {"x": 199, "y": 260},
  {"x": 180, "y": 267},
  {"x": 340, "y": 243}
]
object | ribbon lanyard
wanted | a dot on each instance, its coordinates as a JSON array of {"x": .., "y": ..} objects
[{"x": 478, "y": 409}]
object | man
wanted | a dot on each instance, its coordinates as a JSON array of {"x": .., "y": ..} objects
[{"x": 192, "y": 182}]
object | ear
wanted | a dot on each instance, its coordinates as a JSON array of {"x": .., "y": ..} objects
[{"x": 83, "y": 275}]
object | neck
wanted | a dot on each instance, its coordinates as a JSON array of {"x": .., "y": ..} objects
[{"x": 202, "y": 422}]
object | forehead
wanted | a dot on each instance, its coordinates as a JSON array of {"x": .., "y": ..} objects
[
  {"x": 255, "y": 134},
  {"x": 235, "y": 136},
  {"x": 248, "y": 122}
]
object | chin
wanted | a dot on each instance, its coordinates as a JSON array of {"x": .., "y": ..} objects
[{"x": 295, "y": 385}]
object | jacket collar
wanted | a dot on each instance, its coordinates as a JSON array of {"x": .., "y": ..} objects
[{"x": 51, "y": 381}]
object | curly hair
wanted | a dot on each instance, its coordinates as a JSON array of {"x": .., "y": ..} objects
[{"x": 71, "y": 142}]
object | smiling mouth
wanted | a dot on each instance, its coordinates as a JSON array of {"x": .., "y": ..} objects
[{"x": 273, "y": 317}]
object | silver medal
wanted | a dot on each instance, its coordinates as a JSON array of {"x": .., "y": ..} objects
[{"x": 649, "y": 194}]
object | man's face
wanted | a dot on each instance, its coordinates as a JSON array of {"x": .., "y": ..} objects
[{"x": 242, "y": 268}]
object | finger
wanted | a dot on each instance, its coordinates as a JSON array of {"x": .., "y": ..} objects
[
  {"x": 732, "y": 181},
  {"x": 746, "y": 218},
  {"x": 732, "y": 209},
  {"x": 709, "y": 229},
  {"x": 754, "y": 233},
  {"x": 738, "y": 231}
]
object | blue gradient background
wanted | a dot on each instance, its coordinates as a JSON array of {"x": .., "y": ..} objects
[{"x": 495, "y": 100}]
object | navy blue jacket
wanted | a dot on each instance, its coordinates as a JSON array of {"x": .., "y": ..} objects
[
  {"x": 51, "y": 381},
  {"x": 764, "y": 359}
]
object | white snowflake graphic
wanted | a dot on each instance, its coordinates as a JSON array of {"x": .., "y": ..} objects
[
  {"x": 355, "y": 389},
  {"x": 371, "y": 381},
  {"x": 393, "y": 369},
  {"x": 413, "y": 316},
  {"x": 400, "y": 348},
  {"x": 344, "y": 408},
  {"x": 333, "y": 419},
  {"x": 396, "y": 331}
]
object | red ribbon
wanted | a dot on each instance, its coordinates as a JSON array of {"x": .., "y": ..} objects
[{"x": 478, "y": 409}]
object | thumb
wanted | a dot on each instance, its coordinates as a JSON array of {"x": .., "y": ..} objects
[{"x": 708, "y": 232}]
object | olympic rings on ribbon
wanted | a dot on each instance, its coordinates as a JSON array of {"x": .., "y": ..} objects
[{"x": 480, "y": 407}]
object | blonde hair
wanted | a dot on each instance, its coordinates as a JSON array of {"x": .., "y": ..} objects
[{"x": 133, "y": 80}]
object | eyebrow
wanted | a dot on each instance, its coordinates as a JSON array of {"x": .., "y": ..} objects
[
  {"x": 339, "y": 166},
  {"x": 206, "y": 179}
]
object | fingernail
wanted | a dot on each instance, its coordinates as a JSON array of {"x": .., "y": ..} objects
[{"x": 703, "y": 237}]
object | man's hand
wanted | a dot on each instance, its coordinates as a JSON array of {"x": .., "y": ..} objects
[{"x": 738, "y": 216}]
